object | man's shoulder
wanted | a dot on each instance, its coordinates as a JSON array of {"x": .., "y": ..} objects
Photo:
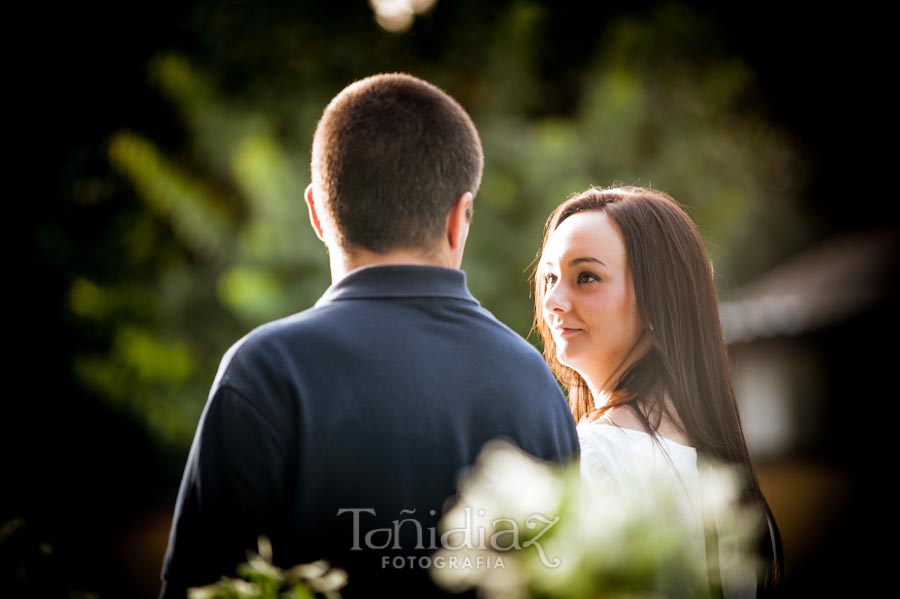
[
  {"x": 336, "y": 318},
  {"x": 343, "y": 327},
  {"x": 267, "y": 341},
  {"x": 509, "y": 336},
  {"x": 305, "y": 320}
]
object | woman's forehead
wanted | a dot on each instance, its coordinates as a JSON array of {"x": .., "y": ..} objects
[{"x": 589, "y": 234}]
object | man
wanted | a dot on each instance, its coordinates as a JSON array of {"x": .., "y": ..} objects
[{"x": 338, "y": 432}]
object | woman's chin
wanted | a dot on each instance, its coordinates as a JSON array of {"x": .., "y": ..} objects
[{"x": 566, "y": 358}]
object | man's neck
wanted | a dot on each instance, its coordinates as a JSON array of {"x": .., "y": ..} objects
[{"x": 344, "y": 262}]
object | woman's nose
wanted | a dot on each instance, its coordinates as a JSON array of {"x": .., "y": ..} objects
[{"x": 555, "y": 299}]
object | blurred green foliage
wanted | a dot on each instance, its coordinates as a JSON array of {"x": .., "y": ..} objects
[
  {"x": 259, "y": 578},
  {"x": 223, "y": 224}
]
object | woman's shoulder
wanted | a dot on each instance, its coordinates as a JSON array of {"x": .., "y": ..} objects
[
  {"x": 605, "y": 436},
  {"x": 626, "y": 451},
  {"x": 609, "y": 445},
  {"x": 600, "y": 437}
]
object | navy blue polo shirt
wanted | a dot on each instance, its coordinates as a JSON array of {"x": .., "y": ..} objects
[{"x": 351, "y": 416}]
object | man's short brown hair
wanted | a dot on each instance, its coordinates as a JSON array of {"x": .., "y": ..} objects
[{"x": 392, "y": 154}]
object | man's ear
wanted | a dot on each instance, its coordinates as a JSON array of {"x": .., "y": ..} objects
[
  {"x": 314, "y": 212},
  {"x": 458, "y": 221}
]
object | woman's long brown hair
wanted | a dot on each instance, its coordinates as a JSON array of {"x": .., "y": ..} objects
[{"x": 675, "y": 293}]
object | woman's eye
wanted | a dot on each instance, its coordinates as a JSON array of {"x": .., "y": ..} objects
[
  {"x": 587, "y": 277},
  {"x": 549, "y": 279}
]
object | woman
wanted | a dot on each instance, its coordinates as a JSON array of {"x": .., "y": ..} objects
[{"x": 626, "y": 306}]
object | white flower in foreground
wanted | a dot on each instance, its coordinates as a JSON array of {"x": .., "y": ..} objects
[
  {"x": 558, "y": 539},
  {"x": 507, "y": 480}
]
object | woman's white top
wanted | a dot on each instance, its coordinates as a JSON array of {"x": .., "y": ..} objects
[{"x": 612, "y": 457}]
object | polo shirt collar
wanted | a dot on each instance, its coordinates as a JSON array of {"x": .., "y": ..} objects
[{"x": 399, "y": 281}]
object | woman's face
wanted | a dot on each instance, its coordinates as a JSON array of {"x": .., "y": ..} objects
[{"x": 589, "y": 304}]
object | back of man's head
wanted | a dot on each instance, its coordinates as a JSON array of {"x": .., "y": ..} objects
[{"x": 392, "y": 154}]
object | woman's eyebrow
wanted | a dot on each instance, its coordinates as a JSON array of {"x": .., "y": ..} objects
[{"x": 587, "y": 259}]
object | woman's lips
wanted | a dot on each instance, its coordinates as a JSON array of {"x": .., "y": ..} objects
[{"x": 566, "y": 331}]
